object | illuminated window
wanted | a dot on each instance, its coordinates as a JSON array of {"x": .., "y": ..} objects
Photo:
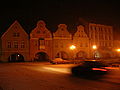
[
  {"x": 22, "y": 44},
  {"x": 15, "y": 44},
  {"x": 9, "y": 44}
]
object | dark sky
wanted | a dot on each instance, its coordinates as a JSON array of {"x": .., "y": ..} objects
[{"x": 54, "y": 12}]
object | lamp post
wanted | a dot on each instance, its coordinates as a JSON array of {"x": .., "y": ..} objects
[
  {"x": 94, "y": 52},
  {"x": 73, "y": 47}
]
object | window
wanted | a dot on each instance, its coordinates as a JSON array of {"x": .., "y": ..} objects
[
  {"x": 9, "y": 44},
  {"x": 41, "y": 43},
  {"x": 16, "y": 34},
  {"x": 15, "y": 44},
  {"x": 22, "y": 44}
]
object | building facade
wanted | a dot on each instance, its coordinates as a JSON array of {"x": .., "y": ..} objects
[
  {"x": 102, "y": 37},
  {"x": 61, "y": 42},
  {"x": 41, "y": 43},
  {"x": 15, "y": 44},
  {"x": 44, "y": 45}
]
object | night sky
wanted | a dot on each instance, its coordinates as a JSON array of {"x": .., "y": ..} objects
[{"x": 54, "y": 12}]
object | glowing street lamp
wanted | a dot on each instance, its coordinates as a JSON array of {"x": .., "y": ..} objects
[
  {"x": 94, "y": 48},
  {"x": 118, "y": 50},
  {"x": 73, "y": 47}
]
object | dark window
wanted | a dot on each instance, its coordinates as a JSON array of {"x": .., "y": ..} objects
[{"x": 9, "y": 44}]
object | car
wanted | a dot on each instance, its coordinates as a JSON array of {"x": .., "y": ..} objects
[
  {"x": 89, "y": 68},
  {"x": 59, "y": 61}
]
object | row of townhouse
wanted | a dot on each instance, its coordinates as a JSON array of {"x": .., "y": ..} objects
[{"x": 41, "y": 44}]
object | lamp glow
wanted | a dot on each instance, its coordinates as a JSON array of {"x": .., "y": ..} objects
[
  {"x": 94, "y": 47},
  {"x": 72, "y": 47}
]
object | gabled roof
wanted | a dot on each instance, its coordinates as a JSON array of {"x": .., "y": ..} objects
[{"x": 14, "y": 23}]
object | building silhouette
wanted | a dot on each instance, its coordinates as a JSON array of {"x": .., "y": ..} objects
[{"x": 44, "y": 45}]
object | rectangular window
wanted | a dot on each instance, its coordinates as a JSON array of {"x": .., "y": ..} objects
[
  {"x": 41, "y": 43},
  {"x": 15, "y": 44},
  {"x": 9, "y": 44},
  {"x": 16, "y": 34},
  {"x": 22, "y": 44}
]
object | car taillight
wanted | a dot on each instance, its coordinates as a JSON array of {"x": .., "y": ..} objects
[{"x": 101, "y": 69}]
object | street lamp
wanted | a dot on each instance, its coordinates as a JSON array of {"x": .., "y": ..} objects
[
  {"x": 94, "y": 53},
  {"x": 118, "y": 50},
  {"x": 73, "y": 47},
  {"x": 94, "y": 47}
]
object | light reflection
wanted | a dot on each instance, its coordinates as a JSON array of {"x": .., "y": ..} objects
[{"x": 62, "y": 70}]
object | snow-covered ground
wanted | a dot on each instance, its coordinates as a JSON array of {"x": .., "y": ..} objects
[{"x": 44, "y": 76}]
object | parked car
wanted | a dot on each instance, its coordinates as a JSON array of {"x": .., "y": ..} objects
[
  {"x": 90, "y": 67},
  {"x": 59, "y": 61}
]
